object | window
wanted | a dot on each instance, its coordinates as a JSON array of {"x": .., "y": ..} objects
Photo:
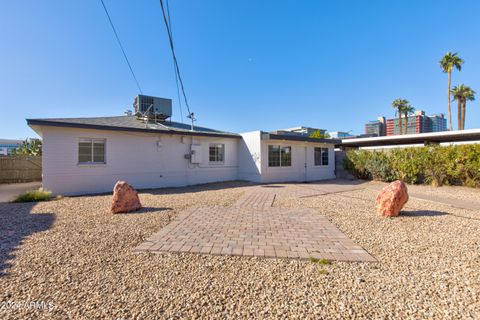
[
  {"x": 91, "y": 151},
  {"x": 321, "y": 156},
  {"x": 216, "y": 153},
  {"x": 279, "y": 156}
]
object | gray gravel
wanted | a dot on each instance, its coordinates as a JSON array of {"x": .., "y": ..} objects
[{"x": 76, "y": 255}]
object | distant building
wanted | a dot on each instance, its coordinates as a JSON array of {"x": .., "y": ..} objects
[
  {"x": 376, "y": 127},
  {"x": 7, "y": 146},
  {"x": 340, "y": 134},
  {"x": 417, "y": 123}
]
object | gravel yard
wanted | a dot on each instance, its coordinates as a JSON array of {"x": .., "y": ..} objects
[{"x": 76, "y": 255}]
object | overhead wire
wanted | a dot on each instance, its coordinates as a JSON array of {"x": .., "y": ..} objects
[
  {"x": 175, "y": 61},
  {"x": 121, "y": 46},
  {"x": 174, "y": 68}
]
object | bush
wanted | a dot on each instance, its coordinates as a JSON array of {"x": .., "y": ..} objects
[
  {"x": 436, "y": 165},
  {"x": 34, "y": 196},
  {"x": 380, "y": 167}
]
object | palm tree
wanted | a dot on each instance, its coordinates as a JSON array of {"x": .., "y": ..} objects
[
  {"x": 469, "y": 96},
  {"x": 448, "y": 62},
  {"x": 462, "y": 94},
  {"x": 407, "y": 110},
  {"x": 399, "y": 105}
]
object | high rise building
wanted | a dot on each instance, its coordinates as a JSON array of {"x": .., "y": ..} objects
[
  {"x": 417, "y": 123},
  {"x": 376, "y": 127}
]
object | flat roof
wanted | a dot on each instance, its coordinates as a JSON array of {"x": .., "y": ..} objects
[
  {"x": 416, "y": 138},
  {"x": 131, "y": 123},
  {"x": 289, "y": 137}
]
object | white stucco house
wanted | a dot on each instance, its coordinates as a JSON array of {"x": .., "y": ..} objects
[{"x": 88, "y": 155}]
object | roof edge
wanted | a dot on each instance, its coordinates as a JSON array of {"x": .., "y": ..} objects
[
  {"x": 40, "y": 122},
  {"x": 273, "y": 136}
]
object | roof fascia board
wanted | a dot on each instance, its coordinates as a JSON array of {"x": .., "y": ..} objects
[{"x": 35, "y": 122}]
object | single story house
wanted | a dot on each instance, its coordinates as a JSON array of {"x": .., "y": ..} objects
[{"x": 88, "y": 155}]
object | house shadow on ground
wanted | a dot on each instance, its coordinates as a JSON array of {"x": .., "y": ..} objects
[
  {"x": 17, "y": 222},
  {"x": 198, "y": 188}
]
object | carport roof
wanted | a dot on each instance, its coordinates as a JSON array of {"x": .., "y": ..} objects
[{"x": 417, "y": 138}]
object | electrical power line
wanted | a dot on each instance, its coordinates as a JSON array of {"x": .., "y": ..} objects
[
  {"x": 121, "y": 46},
  {"x": 177, "y": 69},
  {"x": 174, "y": 68}
]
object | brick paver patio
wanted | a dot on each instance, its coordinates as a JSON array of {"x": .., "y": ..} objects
[
  {"x": 249, "y": 229},
  {"x": 256, "y": 200}
]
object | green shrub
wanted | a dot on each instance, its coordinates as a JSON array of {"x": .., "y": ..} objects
[
  {"x": 34, "y": 196},
  {"x": 356, "y": 161},
  {"x": 379, "y": 167},
  {"x": 407, "y": 164},
  {"x": 436, "y": 165}
]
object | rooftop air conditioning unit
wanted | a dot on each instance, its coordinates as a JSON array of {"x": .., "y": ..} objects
[{"x": 152, "y": 107}]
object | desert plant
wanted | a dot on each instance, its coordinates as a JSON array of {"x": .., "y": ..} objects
[
  {"x": 436, "y": 165},
  {"x": 324, "y": 262},
  {"x": 379, "y": 167},
  {"x": 317, "y": 134},
  {"x": 29, "y": 147},
  {"x": 34, "y": 196},
  {"x": 356, "y": 162}
]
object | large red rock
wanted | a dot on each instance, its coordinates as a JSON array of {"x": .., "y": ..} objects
[
  {"x": 125, "y": 198},
  {"x": 392, "y": 199}
]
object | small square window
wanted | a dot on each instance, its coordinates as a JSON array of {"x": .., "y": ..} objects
[
  {"x": 321, "y": 156},
  {"x": 91, "y": 151},
  {"x": 279, "y": 156},
  {"x": 216, "y": 153}
]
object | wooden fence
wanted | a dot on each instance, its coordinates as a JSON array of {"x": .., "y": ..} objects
[{"x": 20, "y": 169}]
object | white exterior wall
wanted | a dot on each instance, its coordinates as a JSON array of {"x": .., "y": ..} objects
[
  {"x": 131, "y": 156},
  {"x": 250, "y": 157},
  {"x": 148, "y": 160},
  {"x": 302, "y": 153},
  {"x": 253, "y": 164}
]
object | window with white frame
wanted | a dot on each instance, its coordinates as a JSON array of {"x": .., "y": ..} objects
[
  {"x": 279, "y": 156},
  {"x": 321, "y": 156},
  {"x": 91, "y": 151},
  {"x": 216, "y": 153}
]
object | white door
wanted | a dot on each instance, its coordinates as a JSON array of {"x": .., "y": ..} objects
[{"x": 305, "y": 176}]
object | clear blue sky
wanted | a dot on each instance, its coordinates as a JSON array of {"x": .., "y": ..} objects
[{"x": 247, "y": 65}]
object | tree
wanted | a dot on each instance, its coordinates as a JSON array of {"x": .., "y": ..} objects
[
  {"x": 407, "y": 110},
  {"x": 399, "y": 105},
  {"x": 317, "y": 134},
  {"x": 462, "y": 94},
  {"x": 448, "y": 62},
  {"x": 31, "y": 147}
]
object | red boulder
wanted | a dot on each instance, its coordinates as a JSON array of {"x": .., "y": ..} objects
[
  {"x": 125, "y": 198},
  {"x": 392, "y": 199}
]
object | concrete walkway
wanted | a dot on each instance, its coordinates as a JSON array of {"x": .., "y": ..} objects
[{"x": 9, "y": 191}]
